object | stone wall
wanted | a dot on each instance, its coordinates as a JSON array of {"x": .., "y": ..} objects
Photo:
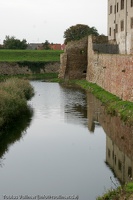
[
  {"x": 74, "y": 60},
  {"x": 106, "y": 48},
  {"x": 102, "y": 45},
  {"x": 113, "y": 72},
  {"x": 28, "y": 68},
  {"x": 63, "y": 65}
]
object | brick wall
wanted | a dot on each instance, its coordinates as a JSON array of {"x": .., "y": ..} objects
[
  {"x": 113, "y": 72},
  {"x": 63, "y": 64},
  {"x": 74, "y": 60}
]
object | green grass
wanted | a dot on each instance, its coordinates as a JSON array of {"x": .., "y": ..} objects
[
  {"x": 122, "y": 192},
  {"x": 53, "y": 77},
  {"x": 114, "y": 105},
  {"x": 14, "y": 94},
  {"x": 29, "y": 55}
]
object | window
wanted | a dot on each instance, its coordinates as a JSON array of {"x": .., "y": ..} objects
[
  {"x": 109, "y": 153},
  {"x": 131, "y": 22},
  {"x": 115, "y": 159},
  {"x": 122, "y": 4},
  {"x": 131, "y": 3},
  {"x": 119, "y": 165},
  {"x": 109, "y": 31},
  {"x": 122, "y": 25},
  {"x": 113, "y": 155},
  {"x": 110, "y": 9},
  {"x": 116, "y": 28},
  {"x": 129, "y": 172},
  {"x": 117, "y": 7}
]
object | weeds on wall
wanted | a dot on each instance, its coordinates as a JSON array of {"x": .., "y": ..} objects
[{"x": 114, "y": 105}]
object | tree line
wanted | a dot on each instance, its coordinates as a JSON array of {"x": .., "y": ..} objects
[
  {"x": 72, "y": 33},
  {"x": 11, "y": 42}
]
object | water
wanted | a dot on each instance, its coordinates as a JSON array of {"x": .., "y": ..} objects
[{"x": 61, "y": 151}]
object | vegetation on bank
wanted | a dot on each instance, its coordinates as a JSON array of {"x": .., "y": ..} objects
[
  {"x": 29, "y": 55},
  {"x": 121, "y": 193},
  {"x": 53, "y": 77},
  {"x": 114, "y": 105},
  {"x": 14, "y": 94}
]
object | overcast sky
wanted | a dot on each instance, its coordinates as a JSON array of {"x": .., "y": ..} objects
[{"x": 40, "y": 20}]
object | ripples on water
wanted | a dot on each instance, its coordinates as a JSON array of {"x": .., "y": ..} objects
[{"x": 64, "y": 149}]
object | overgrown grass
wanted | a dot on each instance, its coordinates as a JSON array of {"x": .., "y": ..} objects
[
  {"x": 14, "y": 94},
  {"x": 114, "y": 105},
  {"x": 29, "y": 55},
  {"x": 122, "y": 192}
]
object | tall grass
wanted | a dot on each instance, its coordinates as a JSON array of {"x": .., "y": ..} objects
[{"x": 14, "y": 94}]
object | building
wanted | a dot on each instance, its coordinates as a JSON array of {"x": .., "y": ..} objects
[
  {"x": 39, "y": 46},
  {"x": 35, "y": 46},
  {"x": 120, "y": 24},
  {"x": 55, "y": 46}
]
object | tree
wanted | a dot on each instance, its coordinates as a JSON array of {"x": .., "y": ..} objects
[
  {"x": 79, "y": 31},
  {"x": 46, "y": 45},
  {"x": 12, "y": 43}
]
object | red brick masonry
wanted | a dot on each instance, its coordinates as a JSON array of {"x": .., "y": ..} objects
[{"x": 113, "y": 72}]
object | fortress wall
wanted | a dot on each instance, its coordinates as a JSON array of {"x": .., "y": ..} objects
[
  {"x": 7, "y": 68},
  {"x": 113, "y": 72},
  {"x": 74, "y": 60}
]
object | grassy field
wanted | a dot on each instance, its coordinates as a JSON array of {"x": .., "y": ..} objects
[{"x": 29, "y": 55}]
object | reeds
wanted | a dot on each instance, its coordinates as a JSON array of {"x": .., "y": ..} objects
[{"x": 14, "y": 94}]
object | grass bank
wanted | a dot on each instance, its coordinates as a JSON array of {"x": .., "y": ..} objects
[
  {"x": 53, "y": 77},
  {"x": 121, "y": 193},
  {"x": 114, "y": 105},
  {"x": 14, "y": 94},
  {"x": 29, "y": 55}
]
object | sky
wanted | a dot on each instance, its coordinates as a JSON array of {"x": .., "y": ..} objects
[{"x": 41, "y": 20}]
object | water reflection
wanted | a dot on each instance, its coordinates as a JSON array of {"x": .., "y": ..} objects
[
  {"x": 59, "y": 154},
  {"x": 119, "y": 136},
  {"x": 119, "y": 139},
  {"x": 75, "y": 105},
  {"x": 14, "y": 132}
]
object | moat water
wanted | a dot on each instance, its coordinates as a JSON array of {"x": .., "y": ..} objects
[{"x": 61, "y": 149}]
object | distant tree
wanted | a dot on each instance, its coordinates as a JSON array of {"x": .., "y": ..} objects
[
  {"x": 46, "y": 45},
  {"x": 79, "y": 31},
  {"x": 1, "y": 46},
  {"x": 13, "y": 43}
]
